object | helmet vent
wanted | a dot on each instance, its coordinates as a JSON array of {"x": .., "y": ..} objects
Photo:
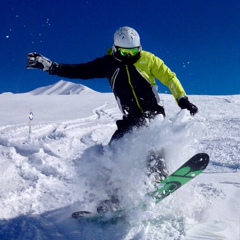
[{"x": 126, "y": 37}]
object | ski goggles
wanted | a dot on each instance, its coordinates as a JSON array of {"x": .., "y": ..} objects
[{"x": 128, "y": 51}]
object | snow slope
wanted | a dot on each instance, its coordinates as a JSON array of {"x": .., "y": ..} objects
[{"x": 59, "y": 167}]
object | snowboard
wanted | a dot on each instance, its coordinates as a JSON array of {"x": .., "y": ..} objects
[{"x": 188, "y": 171}]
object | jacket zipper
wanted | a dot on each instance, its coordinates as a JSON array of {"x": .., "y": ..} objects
[{"x": 132, "y": 88}]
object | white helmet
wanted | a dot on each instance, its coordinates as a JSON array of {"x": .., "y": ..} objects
[{"x": 126, "y": 37}]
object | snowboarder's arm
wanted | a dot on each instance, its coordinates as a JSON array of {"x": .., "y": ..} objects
[
  {"x": 94, "y": 69},
  {"x": 155, "y": 68},
  {"x": 164, "y": 74},
  {"x": 170, "y": 79}
]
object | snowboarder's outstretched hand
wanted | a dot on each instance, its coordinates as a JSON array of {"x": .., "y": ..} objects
[
  {"x": 184, "y": 103},
  {"x": 36, "y": 60}
]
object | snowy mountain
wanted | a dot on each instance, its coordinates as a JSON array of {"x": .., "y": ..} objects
[
  {"x": 61, "y": 88},
  {"x": 57, "y": 167}
]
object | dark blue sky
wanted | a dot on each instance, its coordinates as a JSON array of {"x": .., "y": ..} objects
[{"x": 198, "y": 39}]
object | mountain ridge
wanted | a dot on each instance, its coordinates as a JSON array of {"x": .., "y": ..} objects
[{"x": 61, "y": 88}]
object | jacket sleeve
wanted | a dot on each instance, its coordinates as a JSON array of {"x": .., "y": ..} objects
[
  {"x": 167, "y": 77},
  {"x": 89, "y": 70}
]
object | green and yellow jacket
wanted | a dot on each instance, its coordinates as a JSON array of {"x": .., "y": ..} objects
[{"x": 134, "y": 85}]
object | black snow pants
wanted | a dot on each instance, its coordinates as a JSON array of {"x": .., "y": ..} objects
[{"x": 128, "y": 123}]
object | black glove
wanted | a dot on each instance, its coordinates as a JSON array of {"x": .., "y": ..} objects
[
  {"x": 36, "y": 60},
  {"x": 184, "y": 103}
]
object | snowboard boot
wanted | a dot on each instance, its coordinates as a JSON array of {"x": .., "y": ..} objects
[
  {"x": 157, "y": 169},
  {"x": 109, "y": 205}
]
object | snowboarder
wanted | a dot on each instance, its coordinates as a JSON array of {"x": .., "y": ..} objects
[{"x": 131, "y": 72}]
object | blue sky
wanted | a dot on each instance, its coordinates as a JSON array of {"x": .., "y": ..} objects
[{"x": 198, "y": 39}]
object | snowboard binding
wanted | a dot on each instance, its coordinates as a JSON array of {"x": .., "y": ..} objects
[
  {"x": 157, "y": 169},
  {"x": 110, "y": 205}
]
